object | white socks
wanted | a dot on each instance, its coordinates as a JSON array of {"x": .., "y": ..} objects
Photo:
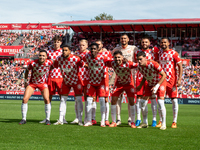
[
  {"x": 102, "y": 108},
  {"x": 79, "y": 107},
  {"x": 113, "y": 113},
  {"x": 138, "y": 109},
  {"x": 154, "y": 108},
  {"x": 162, "y": 108},
  {"x": 144, "y": 110},
  {"x": 129, "y": 112},
  {"x": 48, "y": 111},
  {"x": 94, "y": 107},
  {"x": 118, "y": 110},
  {"x": 107, "y": 111},
  {"x": 89, "y": 108},
  {"x": 175, "y": 109},
  {"x": 85, "y": 119},
  {"x": 132, "y": 112},
  {"x": 76, "y": 108},
  {"x": 63, "y": 107},
  {"x": 24, "y": 109}
]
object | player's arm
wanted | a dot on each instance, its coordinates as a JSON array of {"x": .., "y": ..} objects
[
  {"x": 180, "y": 73},
  {"x": 26, "y": 78},
  {"x": 141, "y": 84},
  {"x": 133, "y": 65},
  {"x": 163, "y": 76}
]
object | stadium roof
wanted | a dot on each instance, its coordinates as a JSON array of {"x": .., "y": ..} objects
[{"x": 129, "y": 25}]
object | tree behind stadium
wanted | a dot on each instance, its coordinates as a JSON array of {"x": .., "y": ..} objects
[{"x": 103, "y": 16}]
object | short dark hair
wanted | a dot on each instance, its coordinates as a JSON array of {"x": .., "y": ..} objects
[
  {"x": 94, "y": 44},
  {"x": 98, "y": 40},
  {"x": 65, "y": 45},
  {"x": 124, "y": 34},
  {"x": 141, "y": 53},
  {"x": 166, "y": 38},
  {"x": 117, "y": 52},
  {"x": 57, "y": 38},
  {"x": 145, "y": 38},
  {"x": 43, "y": 51}
]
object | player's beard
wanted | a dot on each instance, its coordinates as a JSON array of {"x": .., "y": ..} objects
[{"x": 145, "y": 47}]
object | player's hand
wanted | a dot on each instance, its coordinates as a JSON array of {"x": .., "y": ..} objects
[
  {"x": 155, "y": 88},
  {"x": 125, "y": 60},
  {"x": 178, "y": 83},
  {"x": 25, "y": 84},
  {"x": 86, "y": 65}
]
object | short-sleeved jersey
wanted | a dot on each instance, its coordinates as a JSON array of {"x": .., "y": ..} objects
[
  {"x": 127, "y": 52},
  {"x": 69, "y": 68},
  {"x": 96, "y": 67},
  {"x": 83, "y": 71},
  {"x": 151, "y": 72},
  {"x": 150, "y": 55},
  {"x": 39, "y": 72},
  {"x": 53, "y": 54},
  {"x": 123, "y": 71},
  {"x": 168, "y": 61}
]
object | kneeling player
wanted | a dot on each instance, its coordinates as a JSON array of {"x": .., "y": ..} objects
[
  {"x": 124, "y": 83},
  {"x": 69, "y": 65},
  {"x": 152, "y": 71},
  {"x": 39, "y": 71}
]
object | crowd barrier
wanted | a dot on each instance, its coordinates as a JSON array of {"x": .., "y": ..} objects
[{"x": 14, "y": 95}]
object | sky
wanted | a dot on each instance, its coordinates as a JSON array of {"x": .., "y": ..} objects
[{"x": 52, "y": 11}]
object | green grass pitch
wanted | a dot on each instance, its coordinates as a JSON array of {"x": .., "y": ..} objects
[{"x": 33, "y": 135}]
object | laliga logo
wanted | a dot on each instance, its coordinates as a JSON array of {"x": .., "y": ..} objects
[{"x": 1, "y": 50}]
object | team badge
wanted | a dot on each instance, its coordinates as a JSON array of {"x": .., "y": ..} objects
[
  {"x": 132, "y": 90},
  {"x": 174, "y": 89},
  {"x": 102, "y": 87},
  {"x": 162, "y": 88},
  {"x": 79, "y": 86},
  {"x": 88, "y": 86}
]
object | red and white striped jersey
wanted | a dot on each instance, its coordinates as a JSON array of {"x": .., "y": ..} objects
[
  {"x": 168, "y": 61},
  {"x": 69, "y": 68},
  {"x": 39, "y": 72},
  {"x": 96, "y": 67},
  {"x": 53, "y": 54},
  {"x": 83, "y": 71},
  {"x": 151, "y": 72},
  {"x": 123, "y": 71},
  {"x": 150, "y": 55}
]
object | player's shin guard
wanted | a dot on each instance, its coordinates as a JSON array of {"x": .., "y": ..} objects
[
  {"x": 79, "y": 107},
  {"x": 24, "y": 109},
  {"x": 62, "y": 107},
  {"x": 113, "y": 113},
  {"x": 154, "y": 108},
  {"x": 132, "y": 112},
  {"x": 48, "y": 111},
  {"x": 89, "y": 108},
  {"x": 162, "y": 108},
  {"x": 118, "y": 106},
  {"x": 107, "y": 110},
  {"x": 144, "y": 110},
  {"x": 129, "y": 112},
  {"x": 94, "y": 107},
  {"x": 138, "y": 109},
  {"x": 85, "y": 119},
  {"x": 175, "y": 109},
  {"x": 102, "y": 108}
]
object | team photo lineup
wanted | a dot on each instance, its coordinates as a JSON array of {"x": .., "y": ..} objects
[{"x": 142, "y": 74}]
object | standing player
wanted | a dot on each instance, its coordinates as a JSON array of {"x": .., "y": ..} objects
[
  {"x": 151, "y": 54},
  {"x": 124, "y": 83},
  {"x": 151, "y": 72},
  {"x": 168, "y": 59},
  {"x": 128, "y": 53},
  {"x": 39, "y": 72},
  {"x": 105, "y": 52},
  {"x": 69, "y": 65},
  {"x": 97, "y": 85},
  {"x": 84, "y": 76},
  {"x": 55, "y": 78}
]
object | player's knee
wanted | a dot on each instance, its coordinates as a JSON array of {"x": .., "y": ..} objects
[
  {"x": 114, "y": 100},
  {"x": 25, "y": 100}
]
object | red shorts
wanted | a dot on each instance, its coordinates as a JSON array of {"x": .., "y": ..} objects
[
  {"x": 41, "y": 87},
  {"x": 172, "y": 92},
  {"x": 160, "y": 93},
  {"x": 54, "y": 84},
  {"x": 129, "y": 89},
  {"x": 97, "y": 90},
  {"x": 141, "y": 91},
  {"x": 65, "y": 89}
]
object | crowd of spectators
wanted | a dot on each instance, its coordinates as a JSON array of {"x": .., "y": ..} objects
[{"x": 7, "y": 38}]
